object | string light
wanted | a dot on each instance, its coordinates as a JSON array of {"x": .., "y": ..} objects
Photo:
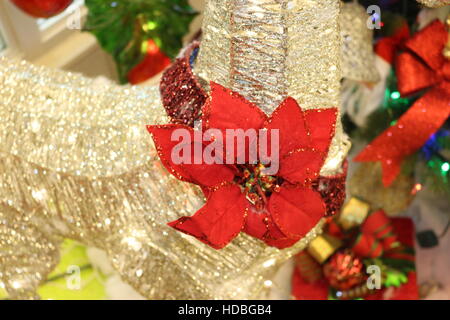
[{"x": 395, "y": 95}]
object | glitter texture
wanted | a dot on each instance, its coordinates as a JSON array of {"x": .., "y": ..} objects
[
  {"x": 434, "y": 3},
  {"x": 182, "y": 96},
  {"x": 76, "y": 162},
  {"x": 268, "y": 50},
  {"x": 358, "y": 58}
]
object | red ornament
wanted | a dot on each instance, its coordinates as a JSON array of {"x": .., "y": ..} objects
[
  {"x": 42, "y": 8},
  {"x": 344, "y": 271},
  {"x": 279, "y": 213},
  {"x": 154, "y": 62}
]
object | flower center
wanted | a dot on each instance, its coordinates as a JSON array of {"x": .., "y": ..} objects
[{"x": 256, "y": 185}]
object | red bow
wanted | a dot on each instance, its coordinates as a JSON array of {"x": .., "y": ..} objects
[
  {"x": 422, "y": 66},
  {"x": 387, "y": 47},
  {"x": 375, "y": 235},
  {"x": 278, "y": 209}
]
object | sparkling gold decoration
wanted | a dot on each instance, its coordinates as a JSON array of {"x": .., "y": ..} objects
[
  {"x": 353, "y": 213},
  {"x": 366, "y": 184},
  {"x": 358, "y": 58},
  {"x": 323, "y": 247},
  {"x": 268, "y": 50},
  {"x": 434, "y": 3},
  {"x": 76, "y": 162}
]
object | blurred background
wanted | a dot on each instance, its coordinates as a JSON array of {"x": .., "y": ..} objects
[{"x": 115, "y": 37}]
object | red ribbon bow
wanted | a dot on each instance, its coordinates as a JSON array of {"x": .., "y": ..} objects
[
  {"x": 421, "y": 66},
  {"x": 375, "y": 238},
  {"x": 387, "y": 47}
]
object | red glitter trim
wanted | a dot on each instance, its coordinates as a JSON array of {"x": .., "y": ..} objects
[
  {"x": 332, "y": 190},
  {"x": 182, "y": 96}
]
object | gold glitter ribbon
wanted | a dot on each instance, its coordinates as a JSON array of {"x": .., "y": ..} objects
[
  {"x": 434, "y": 3},
  {"x": 76, "y": 162},
  {"x": 358, "y": 58}
]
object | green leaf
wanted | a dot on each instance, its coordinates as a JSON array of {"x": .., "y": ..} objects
[
  {"x": 395, "y": 278},
  {"x": 122, "y": 26}
]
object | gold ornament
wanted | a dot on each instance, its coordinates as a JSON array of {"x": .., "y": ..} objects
[
  {"x": 358, "y": 58},
  {"x": 323, "y": 247},
  {"x": 76, "y": 160},
  {"x": 434, "y": 3},
  {"x": 353, "y": 213}
]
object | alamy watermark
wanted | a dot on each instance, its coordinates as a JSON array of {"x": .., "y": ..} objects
[{"x": 234, "y": 146}]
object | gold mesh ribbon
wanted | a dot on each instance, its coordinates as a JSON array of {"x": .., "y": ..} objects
[
  {"x": 358, "y": 58},
  {"x": 434, "y": 3},
  {"x": 76, "y": 162}
]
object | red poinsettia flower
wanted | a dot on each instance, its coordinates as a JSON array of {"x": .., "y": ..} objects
[{"x": 278, "y": 209}]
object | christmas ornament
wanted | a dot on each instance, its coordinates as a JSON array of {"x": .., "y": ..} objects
[
  {"x": 87, "y": 170},
  {"x": 185, "y": 107},
  {"x": 42, "y": 8},
  {"x": 427, "y": 114},
  {"x": 343, "y": 271},
  {"x": 154, "y": 62},
  {"x": 358, "y": 59},
  {"x": 353, "y": 213},
  {"x": 323, "y": 247},
  {"x": 434, "y": 3},
  {"x": 280, "y": 208}
]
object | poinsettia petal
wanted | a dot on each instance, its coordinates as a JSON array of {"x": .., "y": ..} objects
[
  {"x": 256, "y": 224},
  {"x": 429, "y": 43},
  {"x": 275, "y": 238},
  {"x": 260, "y": 225},
  {"x": 220, "y": 220},
  {"x": 229, "y": 110},
  {"x": 301, "y": 166},
  {"x": 238, "y": 119},
  {"x": 296, "y": 210},
  {"x": 202, "y": 174},
  {"x": 290, "y": 120},
  {"x": 321, "y": 125}
]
